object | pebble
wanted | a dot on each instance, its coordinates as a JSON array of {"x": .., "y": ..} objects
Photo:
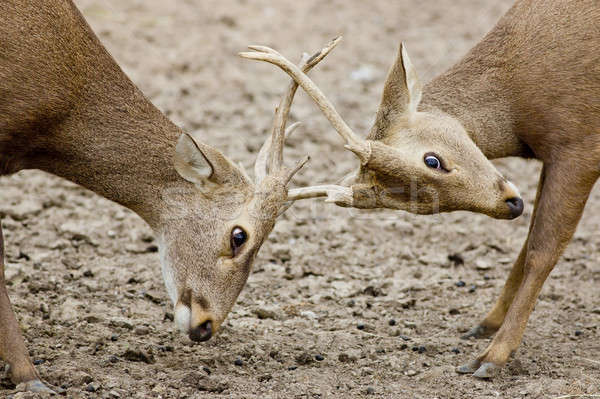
[
  {"x": 411, "y": 373},
  {"x": 92, "y": 387},
  {"x": 482, "y": 264},
  {"x": 370, "y": 391},
  {"x": 456, "y": 350},
  {"x": 460, "y": 283},
  {"x": 472, "y": 288},
  {"x": 319, "y": 357},
  {"x": 454, "y": 311},
  {"x": 578, "y": 333},
  {"x": 238, "y": 362},
  {"x": 262, "y": 314},
  {"x": 360, "y": 326},
  {"x": 141, "y": 330},
  {"x": 392, "y": 322}
]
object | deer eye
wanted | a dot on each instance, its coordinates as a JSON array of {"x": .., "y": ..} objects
[
  {"x": 433, "y": 162},
  {"x": 238, "y": 238}
]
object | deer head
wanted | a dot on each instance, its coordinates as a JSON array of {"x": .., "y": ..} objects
[
  {"x": 218, "y": 219},
  {"x": 418, "y": 160}
]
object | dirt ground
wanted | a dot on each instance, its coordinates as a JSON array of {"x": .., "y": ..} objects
[{"x": 85, "y": 279}]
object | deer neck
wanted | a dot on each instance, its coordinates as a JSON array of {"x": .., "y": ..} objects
[
  {"x": 475, "y": 93},
  {"x": 115, "y": 143}
]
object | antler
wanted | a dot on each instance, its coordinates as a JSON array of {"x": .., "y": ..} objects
[
  {"x": 270, "y": 157},
  {"x": 354, "y": 143}
]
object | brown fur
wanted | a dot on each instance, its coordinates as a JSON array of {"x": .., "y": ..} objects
[
  {"x": 530, "y": 88},
  {"x": 67, "y": 108}
]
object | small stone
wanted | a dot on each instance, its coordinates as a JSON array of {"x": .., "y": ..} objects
[
  {"x": 319, "y": 358},
  {"x": 206, "y": 370},
  {"x": 403, "y": 346},
  {"x": 113, "y": 359},
  {"x": 92, "y": 387},
  {"x": 472, "y": 288},
  {"x": 392, "y": 322},
  {"x": 114, "y": 337},
  {"x": 482, "y": 264},
  {"x": 454, "y": 311},
  {"x": 456, "y": 350},
  {"x": 411, "y": 373},
  {"x": 292, "y": 368},
  {"x": 370, "y": 391},
  {"x": 37, "y": 362},
  {"x": 141, "y": 330},
  {"x": 238, "y": 362},
  {"x": 114, "y": 394},
  {"x": 262, "y": 314},
  {"x": 460, "y": 283},
  {"x": 578, "y": 333},
  {"x": 360, "y": 326}
]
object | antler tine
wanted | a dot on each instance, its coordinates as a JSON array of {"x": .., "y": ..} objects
[
  {"x": 270, "y": 156},
  {"x": 260, "y": 166},
  {"x": 305, "y": 65},
  {"x": 353, "y": 142},
  {"x": 338, "y": 194},
  {"x": 280, "y": 120}
]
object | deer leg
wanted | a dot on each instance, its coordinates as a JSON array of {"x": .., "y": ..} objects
[
  {"x": 562, "y": 199},
  {"x": 12, "y": 345},
  {"x": 495, "y": 317}
]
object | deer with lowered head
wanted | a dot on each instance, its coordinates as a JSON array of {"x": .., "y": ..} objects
[
  {"x": 68, "y": 109},
  {"x": 530, "y": 88}
]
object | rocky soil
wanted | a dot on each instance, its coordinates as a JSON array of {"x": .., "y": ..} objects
[{"x": 341, "y": 303}]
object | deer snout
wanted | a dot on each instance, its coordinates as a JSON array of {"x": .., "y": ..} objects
[
  {"x": 195, "y": 321},
  {"x": 201, "y": 332},
  {"x": 512, "y": 199}
]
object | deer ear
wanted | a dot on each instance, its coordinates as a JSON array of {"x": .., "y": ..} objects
[
  {"x": 197, "y": 162},
  {"x": 401, "y": 93}
]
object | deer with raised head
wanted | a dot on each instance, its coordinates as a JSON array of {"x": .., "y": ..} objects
[
  {"x": 530, "y": 88},
  {"x": 68, "y": 109}
]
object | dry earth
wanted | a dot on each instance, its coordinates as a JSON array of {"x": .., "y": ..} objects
[{"x": 86, "y": 283}]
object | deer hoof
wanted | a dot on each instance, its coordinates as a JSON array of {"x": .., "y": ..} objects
[
  {"x": 36, "y": 386},
  {"x": 478, "y": 332},
  {"x": 468, "y": 368},
  {"x": 487, "y": 370}
]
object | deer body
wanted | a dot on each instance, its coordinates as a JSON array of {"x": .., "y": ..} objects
[
  {"x": 67, "y": 108},
  {"x": 530, "y": 88}
]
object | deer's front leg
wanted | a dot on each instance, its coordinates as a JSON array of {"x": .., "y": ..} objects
[
  {"x": 560, "y": 206},
  {"x": 12, "y": 346},
  {"x": 495, "y": 317}
]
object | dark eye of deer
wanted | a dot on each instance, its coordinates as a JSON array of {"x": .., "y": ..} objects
[
  {"x": 238, "y": 238},
  {"x": 433, "y": 162}
]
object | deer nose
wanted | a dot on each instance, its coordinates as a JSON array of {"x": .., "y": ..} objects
[
  {"x": 515, "y": 204},
  {"x": 202, "y": 332}
]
